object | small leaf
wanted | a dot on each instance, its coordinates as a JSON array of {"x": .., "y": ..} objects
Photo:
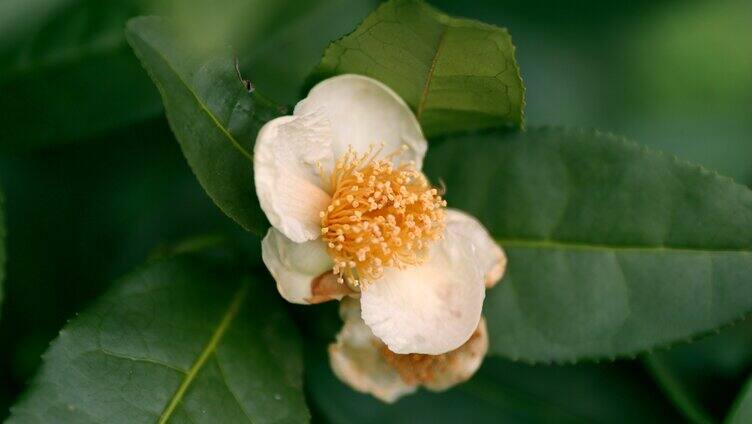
[
  {"x": 456, "y": 74},
  {"x": 212, "y": 115},
  {"x": 613, "y": 249},
  {"x": 178, "y": 340}
]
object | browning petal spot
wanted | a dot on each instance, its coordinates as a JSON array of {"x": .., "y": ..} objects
[
  {"x": 325, "y": 288},
  {"x": 417, "y": 368},
  {"x": 381, "y": 215}
]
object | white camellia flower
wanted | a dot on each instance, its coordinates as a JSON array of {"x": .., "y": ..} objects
[{"x": 352, "y": 215}]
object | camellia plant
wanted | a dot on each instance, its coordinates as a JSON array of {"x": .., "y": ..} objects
[{"x": 455, "y": 262}]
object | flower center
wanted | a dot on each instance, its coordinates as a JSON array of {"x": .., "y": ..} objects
[{"x": 381, "y": 215}]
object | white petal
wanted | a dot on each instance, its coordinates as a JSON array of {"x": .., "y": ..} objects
[
  {"x": 432, "y": 308},
  {"x": 294, "y": 266},
  {"x": 356, "y": 360},
  {"x": 364, "y": 112},
  {"x": 462, "y": 362},
  {"x": 284, "y": 169},
  {"x": 489, "y": 253}
]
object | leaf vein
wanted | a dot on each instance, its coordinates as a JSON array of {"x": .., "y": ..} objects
[{"x": 137, "y": 359}]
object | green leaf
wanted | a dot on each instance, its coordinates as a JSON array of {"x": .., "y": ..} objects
[
  {"x": 703, "y": 377},
  {"x": 66, "y": 72},
  {"x": 138, "y": 166},
  {"x": 181, "y": 340},
  {"x": 456, "y": 74},
  {"x": 2, "y": 246},
  {"x": 677, "y": 392},
  {"x": 741, "y": 413},
  {"x": 212, "y": 115},
  {"x": 613, "y": 249},
  {"x": 502, "y": 391}
]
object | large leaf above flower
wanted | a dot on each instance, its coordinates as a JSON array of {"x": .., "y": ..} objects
[
  {"x": 180, "y": 339},
  {"x": 456, "y": 74},
  {"x": 212, "y": 115},
  {"x": 613, "y": 249}
]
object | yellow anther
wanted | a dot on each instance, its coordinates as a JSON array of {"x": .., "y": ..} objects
[{"x": 395, "y": 198}]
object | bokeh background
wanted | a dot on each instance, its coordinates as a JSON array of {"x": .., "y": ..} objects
[{"x": 94, "y": 181}]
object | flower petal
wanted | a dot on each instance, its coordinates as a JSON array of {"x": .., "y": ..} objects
[
  {"x": 288, "y": 186},
  {"x": 432, "y": 308},
  {"x": 297, "y": 267},
  {"x": 463, "y": 362},
  {"x": 356, "y": 360},
  {"x": 490, "y": 254},
  {"x": 364, "y": 112}
]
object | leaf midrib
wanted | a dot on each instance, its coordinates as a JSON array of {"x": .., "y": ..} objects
[
  {"x": 562, "y": 245},
  {"x": 201, "y": 104},
  {"x": 211, "y": 346}
]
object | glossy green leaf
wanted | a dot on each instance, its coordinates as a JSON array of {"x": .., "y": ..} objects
[
  {"x": 613, "y": 249},
  {"x": 501, "y": 391},
  {"x": 179, "y": 340},
  {"x": 212, "y": 115},
  {"x": 456, "y": 74},
  {"x": 66, "y": 71}
]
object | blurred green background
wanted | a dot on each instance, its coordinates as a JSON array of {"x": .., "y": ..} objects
[{"x": 94, "y": 180}]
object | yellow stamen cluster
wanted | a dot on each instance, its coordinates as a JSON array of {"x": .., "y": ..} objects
[{"x": 381, "y": 215}]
